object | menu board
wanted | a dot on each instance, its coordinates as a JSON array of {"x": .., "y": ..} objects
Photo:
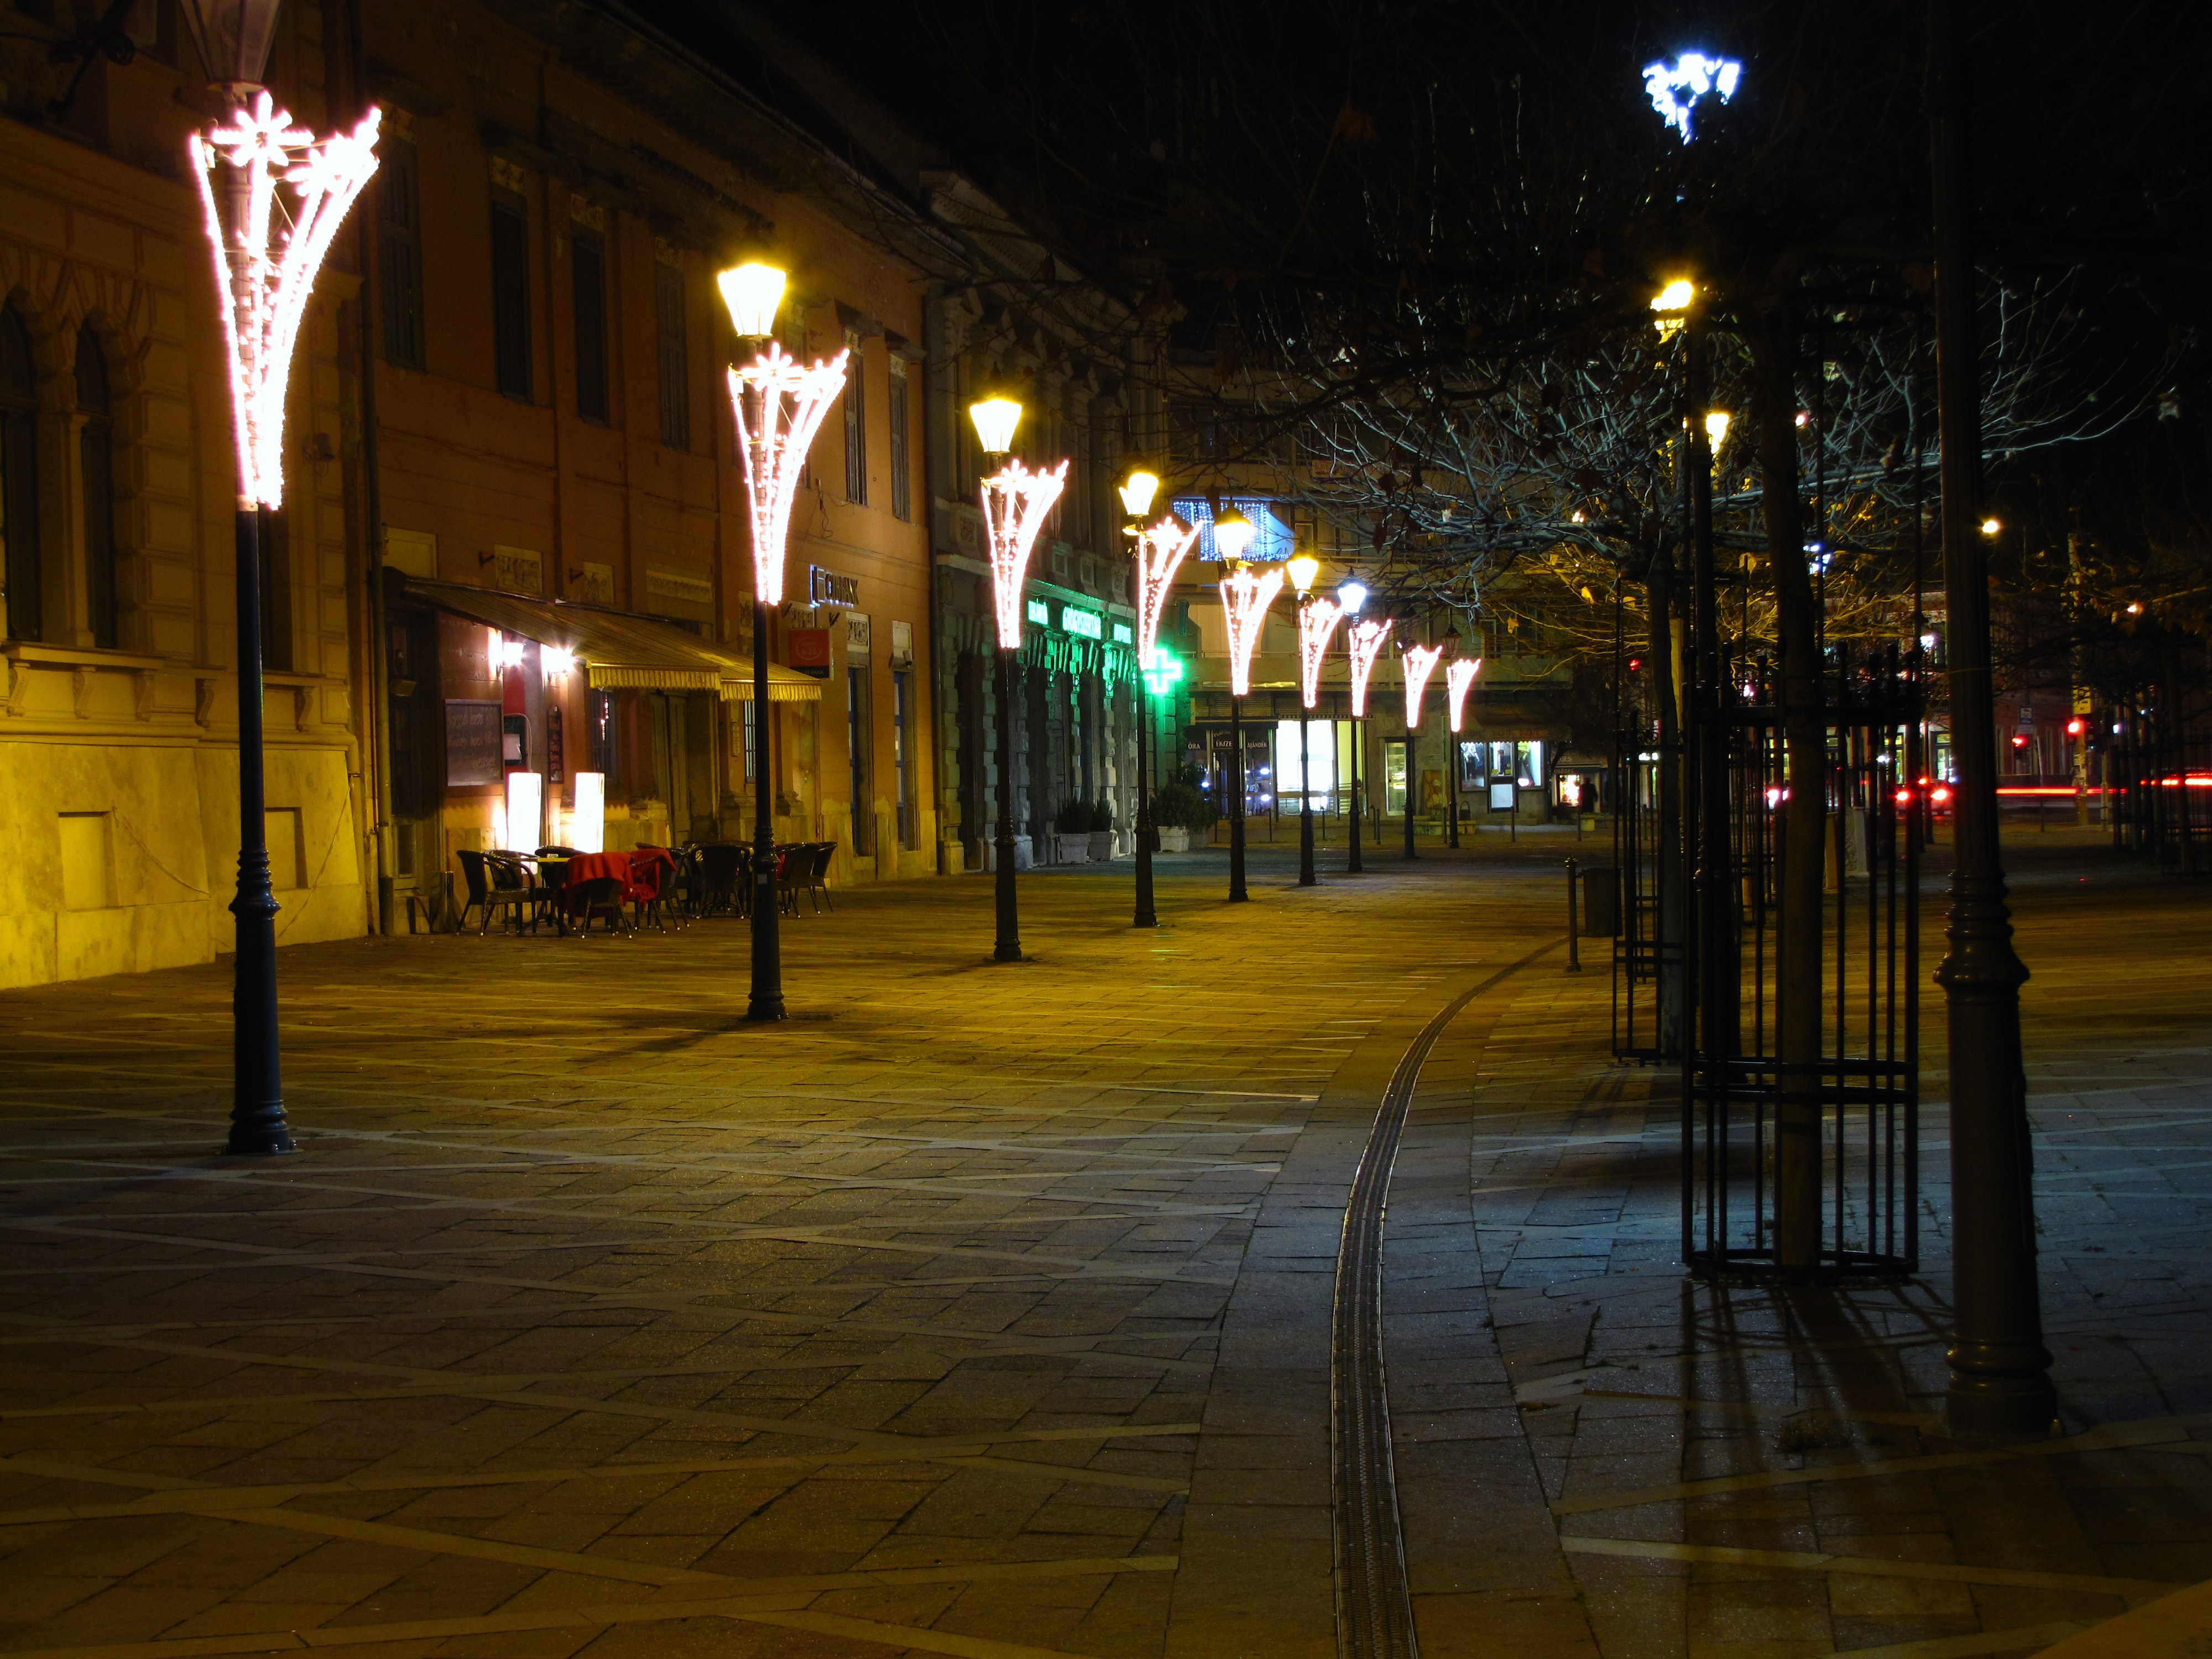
[{"x": 472, "y": 742}]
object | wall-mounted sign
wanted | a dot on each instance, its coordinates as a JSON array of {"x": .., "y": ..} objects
[
  {"x": 857, "y": 646},
  {"x": 827, "y": 587},
  {"x": 472, "y": 743},
  {"x": 1040, "y": 613},
  {"x": 1087, "y": 624},
  {"x": 808, "y": 649},
  {"x": 1122, "y": 635}
]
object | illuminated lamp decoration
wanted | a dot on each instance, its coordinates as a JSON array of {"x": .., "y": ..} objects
[
  {"x": 1459, "y": 680},
  {"x": 1676, "y": 89},
  {"x": 780, "y": 406},
  {"x": 1418, "y": 662},
  {"x": 1137, "y": 493},
  {"x": 266, "y": 255},
  {"x": 1015, "y": 503},
  {"x": 1317, "y": 619},
  {"x": 1160, "y": 552},
  {"x": 587, "y": 824},
  {"x": 1365, "y": 640},
  {"x": 1246, "y": 593},
  {"x": 525, "y": 805}
]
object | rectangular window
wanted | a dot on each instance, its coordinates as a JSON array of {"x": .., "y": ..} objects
[
  {"x": 510, "y": 294},
  {"x": 900, "y": 681},
  {"x": 1394, "y": 774},
  {"x": 856, "y": 738},
  {"x": 399, "y": 231},
  {"x": 19, "y": 512},
  {"x": 856, "y": 422},
  {"x": 897, "y": 416},
  {"x": 587, "y": 264},
  {"x": 674, "y": 352},
  {"x": 96, "y": 447}
]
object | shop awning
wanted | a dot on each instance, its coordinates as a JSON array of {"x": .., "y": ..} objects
[{"x": 616, "y": 650}]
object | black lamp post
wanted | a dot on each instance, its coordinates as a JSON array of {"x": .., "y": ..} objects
[
  {"x": 268, "y": 251},
  {"x": 779, "y": 405},
  {"x": 1015, "y": 503}
]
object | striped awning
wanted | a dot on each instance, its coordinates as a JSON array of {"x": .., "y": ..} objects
[{"x": 617, "y": 650}]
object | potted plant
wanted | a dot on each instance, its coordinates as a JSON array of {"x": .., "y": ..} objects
[
  {"x": 1071, "y": 832},
  {"x": 1180, "y": 807},
  {"x": 1102, "y": 830}
]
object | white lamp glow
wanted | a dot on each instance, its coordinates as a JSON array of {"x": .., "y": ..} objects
[
  {"x": 525, "y": 807},
  {"x": 1675, "y": 88},
  {"x": 1232, "y": 534},
  {"x": 587, "y": 826},
  {"x": 1351, "y": 595},
  {"x": 995, "y": 419},
  {"x": 753, "y": 292},
  {"x": 1138, "y": 492}
]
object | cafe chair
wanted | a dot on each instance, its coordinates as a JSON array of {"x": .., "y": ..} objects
[
  {"x": 496, "y": 883},
  {"x": 652, "y": 880},
  {"x": 817, "y": 878},
  {"x": 600, "y": 896},
  {"x": 722, "y": 874}
]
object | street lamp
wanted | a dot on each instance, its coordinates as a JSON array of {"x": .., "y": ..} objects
[
  {"x": 267, "y": 252},
  {"x": 1459, "y": 680},
  {"x": 1015, "y": 503},
  {"x": 1159, "y": 550},
  {"x": 1363, "y": 643},
  {"x": 780, "y": 406},
  {"x": 1317, "y": 619},
  {"x": 1416, "y": 664},
  {"x": 1246, "y": 593}
]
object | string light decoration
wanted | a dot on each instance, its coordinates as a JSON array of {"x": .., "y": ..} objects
[
  {"x": 779, "y": 404},
  {"x": 1418, "y": 662},
  {"x": 1160, "y": 552},
  {"x": 1015, "y": 502},
  {"x": 1317, "y": 619},
  {"x": 1459, "y": 680},
  {"x": 1676, "y": 89},
  {"x": 1365, "y": 640},
  {"x": 1246, "y": 593},
  {"x": 266, "y": 255}
]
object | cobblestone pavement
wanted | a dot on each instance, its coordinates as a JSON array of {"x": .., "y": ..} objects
[{"x": 984, "y": 1309}]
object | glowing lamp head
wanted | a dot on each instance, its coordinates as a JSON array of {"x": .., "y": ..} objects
[
  {"x": 995, "y": 420},
  {"x": 1717, "y": 426},
  {"x": 1676, "y": 296},
  {"x": 555, "y": 659},
  {"x": 1137, "y": 493},
  {"x": 1233, "y": 533},
  {"x": 2018, "y": 741},
  {"x": 1990, "y": 526},
  {"x": 2074, "y": 728},
  {"x": 1351, "y": 595},
  {"x": 1302, "y": 571},
  {"x": 753, "y": 292}
]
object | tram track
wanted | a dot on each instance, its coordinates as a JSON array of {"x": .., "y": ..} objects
[{"x": 1374, "y": 1602}]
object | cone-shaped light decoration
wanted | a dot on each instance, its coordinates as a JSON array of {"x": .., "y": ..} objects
[
  {"x": 1418, "y": 662},
  {"x": 1160, "y": 550},
  {"x": 1459, "y": 680},
  {"x": 266, "y": 269},
  {"x": 1246, "y": 593},
  {"x": 1318, "y": 617},
  {"x": 1365, "y": 640},
  {"x": 1015, "y": 503},
  {"x": 779, "y": 407}
]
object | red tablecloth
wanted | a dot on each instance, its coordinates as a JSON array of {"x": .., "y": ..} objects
[{"x": 641, "y": 873}]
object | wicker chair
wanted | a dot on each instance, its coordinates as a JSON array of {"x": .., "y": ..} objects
[
  {"x": 601, "y": 896},
  {"x": 496, "y": 881}
]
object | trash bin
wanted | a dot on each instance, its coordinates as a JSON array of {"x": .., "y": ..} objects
[{"x": 1601, "y": 902}]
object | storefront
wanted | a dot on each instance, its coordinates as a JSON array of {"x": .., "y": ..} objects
[{"x": 520, "y": 723}]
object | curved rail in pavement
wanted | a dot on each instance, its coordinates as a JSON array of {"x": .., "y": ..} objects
[{"x": 1374, "y": 1607}]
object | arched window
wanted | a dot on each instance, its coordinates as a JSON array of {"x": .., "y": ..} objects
[
  {"x": 19, "y": 477},
  {"x": 97, "y": 450}
]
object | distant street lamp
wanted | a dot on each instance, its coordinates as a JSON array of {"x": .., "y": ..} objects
[
  {"x": 1015, "y": 503},
  {"x": 267, "y": 252},
  {"x": 1459, "y": 680},
  {"x": 1416, "y": 664},
  {"x": 1159, "y": 550},
  {"x": 780, "y": 406},
  {"x": 1317, "y": 619},
  {"x": 1363, "y": 644},
  {"x": 1246, "y": 593}
]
